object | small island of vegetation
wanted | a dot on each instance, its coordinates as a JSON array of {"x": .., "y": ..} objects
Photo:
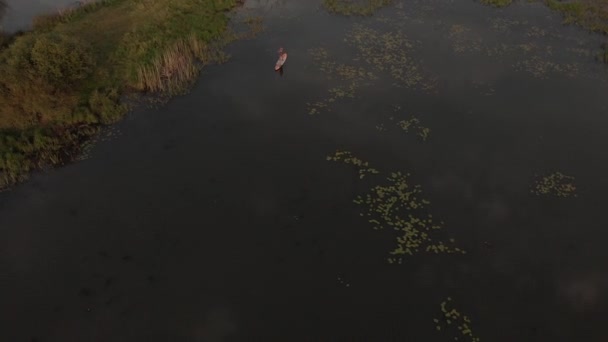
[{"x": 68, "y": 76}]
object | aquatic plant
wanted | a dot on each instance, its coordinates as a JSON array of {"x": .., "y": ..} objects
[
  {"x": 504, "y": 25},
  {"x": 380, "y": 127},
  {"x": 348, "y": 158},
  {"x": 398, "y": 206},
  {"x": 536, "y": 31},
  {"x": 464, "y": 39},
  {"x": 497, "y": 3},
  {"x": 386, "y": 52},
  {"x": 535, "y": 58},
  {"x": 451, "y": 317},
  {"x": 316, "y": 107},
  {"x": 414, "y": 123},
  {"x": 541, "y": 68},
  {"x": 351, "y": 77},
  {"x": 355, "y": 7},
  {"x": 555, "y": 184}
]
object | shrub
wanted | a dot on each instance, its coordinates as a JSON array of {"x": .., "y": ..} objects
[
  {"x": 60, "y": 60},
  {"x": 41, "y": 74}
]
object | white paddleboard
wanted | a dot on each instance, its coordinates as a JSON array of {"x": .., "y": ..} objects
[{"x": 280, "y": 62}]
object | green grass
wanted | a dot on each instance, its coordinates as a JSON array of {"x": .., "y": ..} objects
[
  {"x": 354, "y": 7},
  {"x": 497, "y": 3},
  {"x": 65, "y": 78},
  {"x": 590, "y": 14}
]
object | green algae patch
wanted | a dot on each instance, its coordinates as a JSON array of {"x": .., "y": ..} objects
[
  {"x": 348, "y": 158},
  {"x": 398, "y": 207},
  {"x": 455, "y": 323},
  {"x": 355, "y": 7},
  {"x": 555, "y": 184}
]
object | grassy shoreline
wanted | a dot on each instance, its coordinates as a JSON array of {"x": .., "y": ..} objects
[
  {"x": 589, "y": 14},
  {"x": 64, "y": 80}
]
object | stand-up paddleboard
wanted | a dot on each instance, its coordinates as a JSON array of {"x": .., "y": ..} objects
[{"x": 280, "y": 61}]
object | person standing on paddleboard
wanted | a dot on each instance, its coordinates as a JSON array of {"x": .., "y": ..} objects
[{"x": 282, "y": 57}]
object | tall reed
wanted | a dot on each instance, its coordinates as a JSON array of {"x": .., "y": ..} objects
[{"x": 178, "y": 66}]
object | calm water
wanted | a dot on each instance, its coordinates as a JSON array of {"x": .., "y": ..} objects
[
  {"x": 18, "y": 14},
  {"x": 217, "y": 217}
]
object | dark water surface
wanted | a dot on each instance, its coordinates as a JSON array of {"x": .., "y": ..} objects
[
  {"x": 217, "y": 217},
  {"x": 18, "y": 14}
]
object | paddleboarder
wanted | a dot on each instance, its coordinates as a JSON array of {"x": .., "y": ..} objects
[{"x": 281, "y": 60}]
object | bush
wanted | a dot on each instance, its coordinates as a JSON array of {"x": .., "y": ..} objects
[
  {"x": 41, "y": 74},
  {"x": 106, "y": 106},
  {"x": 61, "y": 61},
  {"x": 58, "y": 60}
]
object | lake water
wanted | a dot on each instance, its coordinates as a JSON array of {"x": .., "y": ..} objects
[
  {"x": 18, "y": 14},
  {"x": 218, "y": 218}
]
